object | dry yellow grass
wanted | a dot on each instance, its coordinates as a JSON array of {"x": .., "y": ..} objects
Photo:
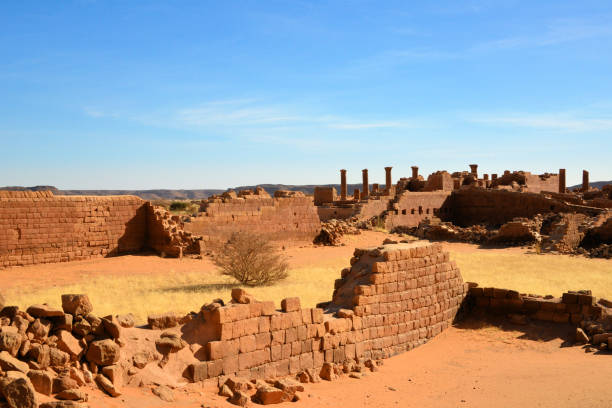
[
  {"x": 184, "y": 292},
  {"x": 537, "y": 274},
  {"x": 143, "y": 295}
]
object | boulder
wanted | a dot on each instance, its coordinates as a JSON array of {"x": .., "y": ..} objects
[
  {"x": 163, "y": 321},
  {"x": 39, "y": 328},
  {"x": 112, "y": 326},
  {"x": 18, "y": 392},
  {"x": 114, "y": 373},
  {"x": 62, "y": 404},
  {"x": 288, "y": 385},
  {"x": 81, "y": 327},
  {"x": 239, "y": 398},
  {"x": 44, "y": 311},
  {"x": 69, "y": 344},
  {"x": 225, "y": 391},
  {"x": 40, "y": 354},
  {"x": 63, "y": 383},
  {"x": 581, "y": 336},
  {"x": 103, "y": 352},
  {"x": 42, "y": 381},
  {"x": 10, "y": 363},
  {"x": 327, "y": 372},
  {"x": 107, "y": 386},
  {"x": 164, "y": 393},
  {"x": 96, "y": 323},
  {"x": 267, "y": 395},
  {"x": 10, "y": 342},
  {"x": 72, "y": 395},
  {"x": 142, "y": 358},
  {"x": 58, "y": 358},
  {"x": 169, "y": 343},
  {"x": 76, "y": 305},
  {"x": 238, "y": 384},
  {"x": 241, "y": 296},
  {"x": 126, "y": 320}
]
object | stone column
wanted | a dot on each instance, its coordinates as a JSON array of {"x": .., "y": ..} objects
[
  {"x": 415, "y": 172},
  {"x": 366, "y": 185},
  {"x": 375, "y": 188},
  {"x": 585, "y": 180},
  {"x": 474, "y": 170},
  {"x": 562, "y": 181},
  {"x": 343, "y": 185},
  {"x": 388, "y": 180},
  {"x": 356, "y": 194},
  {"x": 493, "y": 176}
]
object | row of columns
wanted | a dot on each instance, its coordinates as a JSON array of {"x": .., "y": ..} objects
[
  {"x": 365, "y": 193},
  {"x": 585, "y": 181},
  {"x": 415, "y": 175}
]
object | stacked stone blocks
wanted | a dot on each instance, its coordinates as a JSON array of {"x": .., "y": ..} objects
[{"x": 391, "y": 300}]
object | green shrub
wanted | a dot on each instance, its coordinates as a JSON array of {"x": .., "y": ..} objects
[
  {"x": 251, "y": 260},
  {"x": 179, "y": 205}
]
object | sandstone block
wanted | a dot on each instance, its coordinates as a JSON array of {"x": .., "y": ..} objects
[
  {"x": 10, "y": 363},
  {"x": 18, "y": 392},
  {"x": 41, "y": 381},
  {"x": 76, "y": 305},
  {"x": 290, "y": 304},
  {"x": 103, "y": 352}
]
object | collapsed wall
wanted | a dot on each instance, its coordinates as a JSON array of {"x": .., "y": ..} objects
[
  {"x": 38, "y": 227},
  {"x": 410, "y": 208},
  {"x": 291, "y": 217},
  {"x": 496, "y": 207},
  {"x": 392, "y": 299}
]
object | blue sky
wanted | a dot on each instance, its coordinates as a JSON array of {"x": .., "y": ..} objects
[{"x": 196, "y": 94}]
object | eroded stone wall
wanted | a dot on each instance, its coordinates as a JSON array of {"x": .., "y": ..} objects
[
  {"x": 279, "y": 218},
  {"x": 413, "y": 207},
  {"x": 478, "y": 206},
  {"x": 38, "y": 227},
  {"x": 392, "y": 299}
]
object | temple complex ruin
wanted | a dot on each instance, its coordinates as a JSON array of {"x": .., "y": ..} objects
[{"x": 38, "y": 227}]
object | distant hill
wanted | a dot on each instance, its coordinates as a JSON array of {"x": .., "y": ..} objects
[
  {"x": 161, "y": 194},
  {"x": 306, "y": 189},
  {"x": 166, "y": 194},
  {"x": 598, "y": 184}
]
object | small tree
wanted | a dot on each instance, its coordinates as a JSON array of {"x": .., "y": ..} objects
[{"x": 251, "y": 260}]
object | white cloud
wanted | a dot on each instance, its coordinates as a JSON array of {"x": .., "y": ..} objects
[
  {"x": 563, "y": 122},
  {"x": 556, "y": 32}
]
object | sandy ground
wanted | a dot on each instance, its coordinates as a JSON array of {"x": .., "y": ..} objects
[
  {"x": 300, "y": 255},
  {"x": 472, "y": 365}
]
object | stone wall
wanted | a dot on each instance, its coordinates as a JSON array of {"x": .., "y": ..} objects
[
  {"x": 478, "y": 206},
  {"x": 542, "y": 182},
  {"x": 572, "y": 307},
  {"x": 37, "y": 227},
  {"x": 413, "y": 207},
  {"x": 392, "y": 299},
  {"x": 280, "y": 218}
]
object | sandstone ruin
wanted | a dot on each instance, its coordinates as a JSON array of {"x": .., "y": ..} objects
[{"x": 38, "y": 227}]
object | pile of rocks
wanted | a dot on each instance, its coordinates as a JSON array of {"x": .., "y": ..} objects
[
  {"x": 333, "y": 230},
  {"x": 446, "y": 231},
  {"x": 598, "y": 331},
  {"x": 239, "y": 391},
  {"x": 168, "y": 236},
  {"x": 519, "y": 231},
  {"x": 601, "y": 251},
  {"x": 56, "y": 351}
]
